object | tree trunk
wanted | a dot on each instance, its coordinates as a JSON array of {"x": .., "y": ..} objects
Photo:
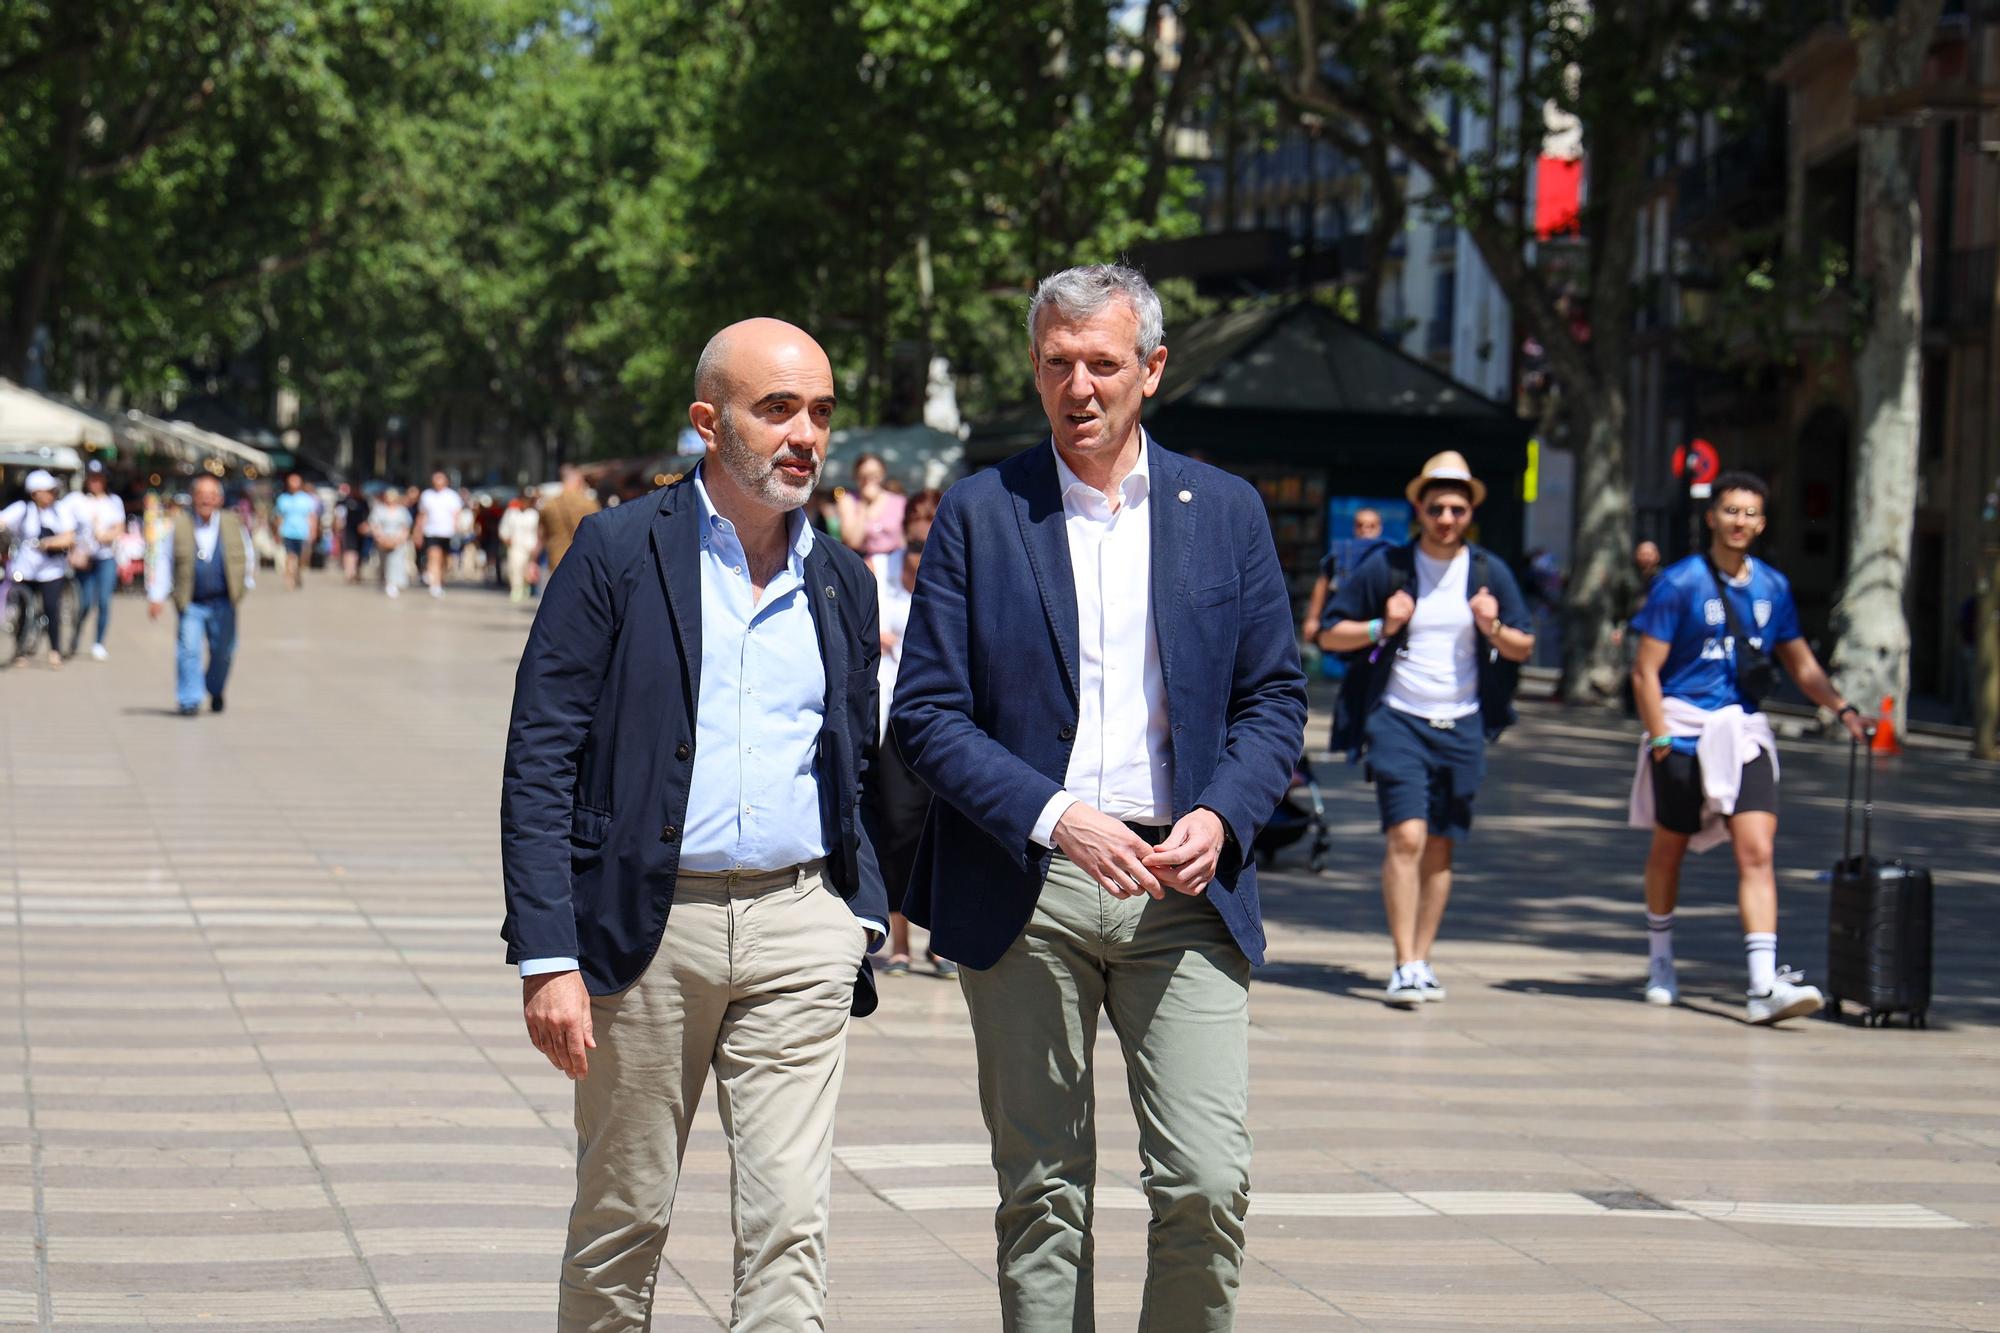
[
  {"x": 1597, "y": 415},
  {"x": 1871, "y": 657},
  {"x": 31, "y": 282}
]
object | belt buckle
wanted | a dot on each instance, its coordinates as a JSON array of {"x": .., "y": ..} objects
[{"x": 1443, "y": 723}]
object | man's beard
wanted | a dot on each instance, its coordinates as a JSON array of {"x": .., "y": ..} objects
[{"x": 757, "y": 475}]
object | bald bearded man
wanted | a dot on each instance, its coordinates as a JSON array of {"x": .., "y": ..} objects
[{"x": 691, "y": 881}]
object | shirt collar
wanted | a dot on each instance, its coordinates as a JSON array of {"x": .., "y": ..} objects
[
  {"x": 1135, "y": 487},
  {"x": 713, "y": 521}
]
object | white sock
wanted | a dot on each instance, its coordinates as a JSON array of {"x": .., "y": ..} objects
[
  {"x": 1660, "y": 937},
  {"x": 1761, "y": 948}
]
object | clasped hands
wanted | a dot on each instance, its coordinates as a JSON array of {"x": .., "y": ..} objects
[{"x": 1124, "y": 866}]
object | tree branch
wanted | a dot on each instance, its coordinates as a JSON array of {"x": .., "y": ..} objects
[{"x": 146, "y": 141}]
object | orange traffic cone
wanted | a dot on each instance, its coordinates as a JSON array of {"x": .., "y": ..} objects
[{"x": 1884, "y": 740}]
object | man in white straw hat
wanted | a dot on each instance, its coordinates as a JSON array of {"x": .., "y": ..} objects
[{"x": 1439, "y": 630}]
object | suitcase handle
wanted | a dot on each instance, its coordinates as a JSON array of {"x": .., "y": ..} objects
[{"x": 1867, "y": 806}]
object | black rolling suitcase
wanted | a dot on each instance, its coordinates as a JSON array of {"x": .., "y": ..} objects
[{"x": 1878, "y": 949}]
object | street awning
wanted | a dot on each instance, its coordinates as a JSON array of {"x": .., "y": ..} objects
[
  {"x": 32, "y": 420},
  {"x": 190, "y": 443}
]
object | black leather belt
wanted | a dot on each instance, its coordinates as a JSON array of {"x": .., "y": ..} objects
[{"x": 1154, "y": 834}]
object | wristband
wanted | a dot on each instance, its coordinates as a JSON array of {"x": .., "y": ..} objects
[
  {"x": 1659, "y": 742},
  {"x": 1375, "y": 630},
  {"x": 1844, "y": 710}
]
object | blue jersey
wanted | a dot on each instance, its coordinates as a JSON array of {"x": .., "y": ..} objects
[
  {"x": 295, "y": 515},
  {"x": 1683, "y": 612}
]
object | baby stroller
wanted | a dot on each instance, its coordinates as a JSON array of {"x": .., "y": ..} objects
[{"x": 1300, "y": 809}]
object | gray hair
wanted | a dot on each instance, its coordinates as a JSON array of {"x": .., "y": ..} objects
[{"x": 1083, "y": 292}]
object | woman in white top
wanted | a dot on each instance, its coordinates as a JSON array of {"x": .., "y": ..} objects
[
  {"x": 42, "y": 533},
  {"x": 100, "y": 524}
]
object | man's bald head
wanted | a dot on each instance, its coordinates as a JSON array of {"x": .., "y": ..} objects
[
  {"x": 749, "y": 345},
  {"x": 763, "y": 405}
]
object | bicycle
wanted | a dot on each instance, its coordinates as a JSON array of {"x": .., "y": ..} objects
[{"x": 24, "y": 625}]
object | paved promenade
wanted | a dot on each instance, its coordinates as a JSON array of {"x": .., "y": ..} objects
[{"x": 261, "y": 1066}]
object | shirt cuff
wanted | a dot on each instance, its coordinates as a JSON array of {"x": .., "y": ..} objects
[
  {"x": 534, "y": 967},
  {"x": 877, "y": 932},
  {"x": 1044, "y": 831}
]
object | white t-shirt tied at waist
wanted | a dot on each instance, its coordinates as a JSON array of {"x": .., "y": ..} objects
[{"x": 1725, "y": 741}]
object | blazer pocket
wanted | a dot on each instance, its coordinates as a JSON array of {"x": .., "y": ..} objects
[
  {"x": 587, "y": 827},
  {"x": 1216, "y": 594}
]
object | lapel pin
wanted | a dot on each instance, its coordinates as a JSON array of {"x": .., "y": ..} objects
[
  {"x": 829, "y": 590},
  {"x": 1186, "y": 496}
]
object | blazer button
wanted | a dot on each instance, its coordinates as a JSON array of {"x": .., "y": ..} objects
[
  {"x": 1068, "y": 732},
  {"x": 683, "y": 750},
  {"x": 671, "y": 833}
]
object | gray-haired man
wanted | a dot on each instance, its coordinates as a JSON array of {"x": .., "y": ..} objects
[{"x": 1100, "y": 684}]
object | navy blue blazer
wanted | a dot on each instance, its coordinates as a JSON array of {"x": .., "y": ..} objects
[
  {"x": 986, "y": 697},
  {"x": 600, "y": 748}
]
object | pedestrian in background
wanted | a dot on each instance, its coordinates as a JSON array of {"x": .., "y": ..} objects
[
  {"x": 390, "y": 522},
  {"x": 206, "y": 565},
  {"x": 296, "y": 518},
  {"x": 45, "y": 533},
  {"x": 563, "y": 512},
  {"x": 871, "y": 515},
  {"x": 438, "y": 510},
  {"x": 1341, "y": 560},
  {"x": 520, "y": 532},
  {"x": 1446, "y": 629},
  {"x": 1708, "y": 769},
  {"x": 100, "y": 526},
  {"x": 352, "y": 516},
  {"x": 901, "y": 799}
]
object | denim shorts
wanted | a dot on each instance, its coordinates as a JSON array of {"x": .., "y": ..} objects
[{"x": 1426, "y": 772}]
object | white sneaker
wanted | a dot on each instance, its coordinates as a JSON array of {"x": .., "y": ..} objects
[
  {"x": 1786, "y": 999},
  {"x": 394, "y": 591},
  {"x": 1661, "y": 986},
  {"x": 1404, "y": 990},
  {"x": 437, "y": 590},
  {"x": 1427, "y": 983},
  {"x": 97, "y": 653}
]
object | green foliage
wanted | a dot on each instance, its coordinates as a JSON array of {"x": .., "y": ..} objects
[{"x": 539, "y": 211}]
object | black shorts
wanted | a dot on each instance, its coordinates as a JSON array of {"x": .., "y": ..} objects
[
  {"x": 437, "y": 544},
  {"x": 1677, "y": 790}
]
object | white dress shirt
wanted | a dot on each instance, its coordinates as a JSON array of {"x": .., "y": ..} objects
[{"x": 1122, "y": 764}]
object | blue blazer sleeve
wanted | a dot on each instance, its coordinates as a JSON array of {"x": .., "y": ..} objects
[
  {"x": 933, "y": 712},
  {"x": 1507, "y": 591},
  {"x": 556, "y": 691},
  {"x": 1266, "y": 719}
]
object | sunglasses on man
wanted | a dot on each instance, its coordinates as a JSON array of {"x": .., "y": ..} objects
[{"x": 1440, "y": 510}]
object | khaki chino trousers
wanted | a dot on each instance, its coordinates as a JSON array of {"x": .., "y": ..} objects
[
  {"x": 755, "y": 978},
  {"x": 1177, "y": 991}
]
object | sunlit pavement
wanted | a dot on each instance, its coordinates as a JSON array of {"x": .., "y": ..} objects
[{"x": 263, "y": 1066}]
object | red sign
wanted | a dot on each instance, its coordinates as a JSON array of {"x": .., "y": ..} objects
[{"x": 1698, "y": 462}]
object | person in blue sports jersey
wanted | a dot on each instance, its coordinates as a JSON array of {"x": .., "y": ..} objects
[
  {"x": 297, "y": 519},
  {"x": 1708, "y": 768}
]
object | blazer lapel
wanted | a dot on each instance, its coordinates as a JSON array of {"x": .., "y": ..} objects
[
  {"x": 1172, "y": 542},
  {"x": 1039, "y": 507},
  {"x": 676, "y": 539},
  {"x": 822, "y": 595}
]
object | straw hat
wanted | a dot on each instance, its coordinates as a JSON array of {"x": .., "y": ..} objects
[{"x": 1447, "y": 466}]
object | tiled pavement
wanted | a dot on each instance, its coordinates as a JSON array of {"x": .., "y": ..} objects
[{"x": 263, "y": 1069}]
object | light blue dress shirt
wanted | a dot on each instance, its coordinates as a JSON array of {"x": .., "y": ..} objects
[{"x": 753, "y": 798}]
